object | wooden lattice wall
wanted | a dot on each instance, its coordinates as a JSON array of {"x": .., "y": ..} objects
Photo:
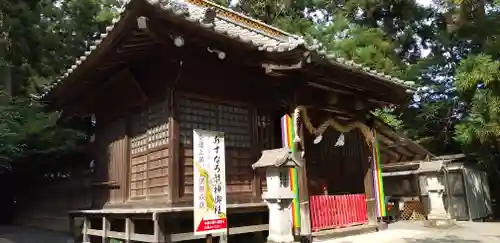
[
  {"x": 266, "y": 138},
  {"x": 232, "y": 119},
  {"x": 149, "y": 152}
]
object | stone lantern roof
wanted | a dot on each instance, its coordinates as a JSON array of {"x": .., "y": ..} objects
[{"x": 281, "y": 157}]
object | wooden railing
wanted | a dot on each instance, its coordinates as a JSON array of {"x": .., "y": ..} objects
[
  {"x": 159, "y": 232},
  {"x": 330, "y": 212}
]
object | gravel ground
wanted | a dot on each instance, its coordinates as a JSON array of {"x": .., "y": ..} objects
[
  {"x": 415, "y": 232},
  {"x": 401, "y": 232},
  {"x": 16, "y": 234}
]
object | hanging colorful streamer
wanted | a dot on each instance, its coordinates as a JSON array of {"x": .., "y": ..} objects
[
  {"x": 287, "y": 141},
  {"x": 377, "y": 178}
]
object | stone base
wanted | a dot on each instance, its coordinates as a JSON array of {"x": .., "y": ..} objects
[
  {"x": 280, "y": 239},
  {"x": 440, "y": 223},
  {"x": 381, "y": 226},
  {"x": 270, "y": 241},
  {"x": 305, "y": 239}
]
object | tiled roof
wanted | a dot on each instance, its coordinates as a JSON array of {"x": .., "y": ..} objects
[{"x": 241, "y": 28}]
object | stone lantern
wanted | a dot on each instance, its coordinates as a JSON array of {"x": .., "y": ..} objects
[
  {"x": 279, "y": 195},
  {"x": 437, "y": 216}
]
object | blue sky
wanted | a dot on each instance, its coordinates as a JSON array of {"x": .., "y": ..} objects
[{"x": 425, "y": 2}]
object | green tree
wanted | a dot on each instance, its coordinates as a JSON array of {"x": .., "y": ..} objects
[
  {"x": 31, "y": 136},
  {"x": 42, "y": 37},
  {"x": 38, "y": 40}
]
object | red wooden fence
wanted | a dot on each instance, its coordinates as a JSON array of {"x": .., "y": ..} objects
[{"x": 328, "y": 212}]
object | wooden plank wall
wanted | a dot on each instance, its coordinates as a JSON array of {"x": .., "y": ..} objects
[
  {"x": 111, "y": 175},
  {"x": 339, "y": 167}
]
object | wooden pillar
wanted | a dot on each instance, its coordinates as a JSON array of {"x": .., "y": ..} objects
[
  {"x": 158, "y": 229},
  {"x": 105, "y": 229},
  {"x": 368, "y": 164},
  {"x": 173, "y": 152},
  {"x": 305, "y": 214},
  {"x": 126, "y": 172},
  {"x": 85, "y": 230},
  {"x": 256, "y": 151},
  {"x": 129, "y": 229},
  {"x": 258, "y": 236},
  {"x": 71, "y": 228}
]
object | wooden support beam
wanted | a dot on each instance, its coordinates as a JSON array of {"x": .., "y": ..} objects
[
  {"x": 411, "y": 147},
  {"x": 160, "y": 234},
  {"x": 395, "y": 145},
  {"x": 123, "y": 79},
  {"x": 173, "y": 151},
  {"x": 158, "y": 229},
  {"x": 345, "y": 80},
  {"x": 121, "y": 235},
  {"x": 256, "y": 150},
  {"x": 179, "y": 237},
  {"x": 71, "y": 228},
  {"x": 86, "y": 230},
  {"x": 393, "y": 155},
  {"x": 368, "y": 167},
  {"x": 105, "y": 229},
  {"x": 129, "y": 230},
  {"x": 305, "y": 213}
]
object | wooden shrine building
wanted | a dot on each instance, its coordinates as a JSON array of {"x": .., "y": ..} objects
[{"x": 168, "y": 67}]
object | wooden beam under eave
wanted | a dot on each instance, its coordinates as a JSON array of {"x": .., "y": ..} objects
[
  {"x": 122, "y": 81},
  {"x": 354, "y": 82},
  {"x": 393, "y": 145},
  {"x": 412, "y": 146},
  {"x": 318, "y": 99},
  {"x": 384, "y": 143},
  {"x": 390, "y": 152},
  {"x": 385, "y": 158},
  {"x": 345, "y": 89}
]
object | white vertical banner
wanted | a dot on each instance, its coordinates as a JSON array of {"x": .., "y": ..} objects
[{"x": 209, "y": 182}]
